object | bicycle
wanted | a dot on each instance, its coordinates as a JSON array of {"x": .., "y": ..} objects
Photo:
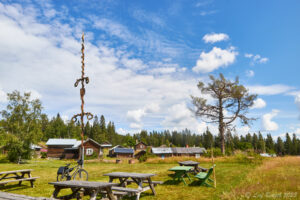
[{"x": 63, "y": 173}]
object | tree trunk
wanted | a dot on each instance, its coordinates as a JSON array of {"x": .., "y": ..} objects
[{"x": 221, "y": 126}]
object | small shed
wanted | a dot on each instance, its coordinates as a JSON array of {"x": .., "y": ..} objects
[
  {"x": 122, "y": 153},
  {"x": 111, "y": 151},
  {"x": 56, "y": 147},
  {"x": 140, "y": 146},
  {"x": 162, "y": 152},
  {"x": 192, "y": 151},
  {"x": 71, "y": 148}
]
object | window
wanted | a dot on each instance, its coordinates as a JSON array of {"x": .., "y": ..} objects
[{"x": 89, "y": 152}]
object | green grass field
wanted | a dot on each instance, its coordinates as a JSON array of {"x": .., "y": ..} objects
[{"x": 236, "y": 178}]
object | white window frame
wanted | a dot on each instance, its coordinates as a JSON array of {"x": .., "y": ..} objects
[{"x": 89, "y": 151}]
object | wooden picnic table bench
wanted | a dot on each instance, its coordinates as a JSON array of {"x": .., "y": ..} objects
[
  {"x": 11, "y": 196},
  {"x": 89, "y": 188},
  {"x": 181, "y": 172},
  {"x": 17, "y": 176},
  {"x": 138, "y": 178},
  {"x": 194, "y": 164}
]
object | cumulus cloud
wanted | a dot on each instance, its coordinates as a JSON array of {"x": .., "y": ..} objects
[
  {"x": 215, "y": 59},
  {"x": 181, "y": 117},
  {"x": 259, "y": 103},
  {"x": 250, "y": 73},
  {"x": 163, "y": 70},
  {"x": 267, "y": 123},
  {"x": 135, "y": 116},
  {"x": 215, "y": 37},
  {"x": 243, "y": 130},
  {"x": 134, "y": 64},
  {"x": 256, "y": 58},
  {"x": 269, "y": 89}
]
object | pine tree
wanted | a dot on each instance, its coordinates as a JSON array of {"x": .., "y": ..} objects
[
  {"x": 295, "y": 145},
  {"x": 261, "y": 143},
  {"x": 288, "y": 145},
  {"x": 270, "y": 144},
  {"x": 231, "y": 97},
  {"x": 255, "y": 142},
  {"x": 280, "y": 147}
]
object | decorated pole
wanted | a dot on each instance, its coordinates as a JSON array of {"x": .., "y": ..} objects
[{"x": 88, "y": 115}]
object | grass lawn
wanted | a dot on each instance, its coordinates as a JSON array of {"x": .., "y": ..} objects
[{"x": 236, "y": 178}]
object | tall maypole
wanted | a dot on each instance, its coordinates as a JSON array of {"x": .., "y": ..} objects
[{"x": 88, "y": 115}]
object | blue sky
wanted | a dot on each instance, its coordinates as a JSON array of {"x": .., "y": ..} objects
[{"x": 144, "y": 58}]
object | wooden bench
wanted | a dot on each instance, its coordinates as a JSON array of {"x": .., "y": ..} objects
[
  {"x": 10, "y": 196},
  {"x": 155, "y": 183},
  {"x": 17, "y": 176}
]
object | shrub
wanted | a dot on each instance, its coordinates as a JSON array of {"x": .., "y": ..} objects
[
  {"x": 43, "y": 155},
  {"x": 216, "y": 151},
  {"x": 93, "y": 156}
]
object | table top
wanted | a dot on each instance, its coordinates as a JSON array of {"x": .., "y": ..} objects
[
  {"x": 128, "y": 175},
  {"x": 16, "y": 171},
  {"x": 188, "y": 162},
  {"x": 181, "y": 168},
  {"x": 83, "y": 184}
]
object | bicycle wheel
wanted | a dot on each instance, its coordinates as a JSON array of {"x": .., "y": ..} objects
[
  {"x": 61, "y": 177},
  {"x": 81, "y": 175}
]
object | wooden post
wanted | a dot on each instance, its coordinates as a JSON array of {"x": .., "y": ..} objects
[{"x": 214, "y": 175}]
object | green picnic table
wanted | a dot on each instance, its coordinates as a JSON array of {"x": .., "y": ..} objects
[{"x": 181, "y": 172}]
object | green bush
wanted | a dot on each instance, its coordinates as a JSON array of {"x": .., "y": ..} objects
[
  {"x": 17, "y": 149},
  {"x": 216, "y": 151},
  {"x": 43, "y": 155},
  {"x": 91, "y": 157}
]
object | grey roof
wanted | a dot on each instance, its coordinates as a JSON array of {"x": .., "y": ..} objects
[
  {"x": 118, "y": 146},
  {"x": 179, "y": 150},
  {"x": 191, "y": 150},
  {"x": 106, "y": 145},
  {"x": 34, "y": 146},
  {"x": 161, "y": 150},
  {"x": 60, "y": 141},
  {"x": 123, "y": 150}
]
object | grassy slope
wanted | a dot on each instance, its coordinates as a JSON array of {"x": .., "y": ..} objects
[
  {"x": 231, "y": 176},
  {"x": 277, "y": 178}
]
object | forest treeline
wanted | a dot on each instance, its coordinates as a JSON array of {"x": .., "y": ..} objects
[{"x": 23, "y": 123}]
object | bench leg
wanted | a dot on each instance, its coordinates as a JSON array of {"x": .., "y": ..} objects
[
  {"x": 110, "y": 194},
  {"x": 20, "y": 177},
  {"x": 31, "y": 183},
  {"x": 55, "y": 193},
  {"x": 138, "y": 196},
  {"x": 151, "y": 186}
]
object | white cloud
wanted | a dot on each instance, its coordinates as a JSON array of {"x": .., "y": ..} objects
[
  {"x": 267, "y": 123},
  {"x": 134, "y": 64},
  {"x": 135, "y": 116},
  {"x": 256, "y": 58},
  {"x": 3, "y": 96},
  {"x": 259, "y": 103},
  {"x": 215, "y": 59},
  {"x": 122, "y": 131},
  {"x": 215, "y": 37},
  {"x": 244, "y": 130},
  {"x": 250, "y": 73},
  {"x": 269, "y": 89},
  {"x": 163, "y": 70},
  {"x": 181, "y": 117}
]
